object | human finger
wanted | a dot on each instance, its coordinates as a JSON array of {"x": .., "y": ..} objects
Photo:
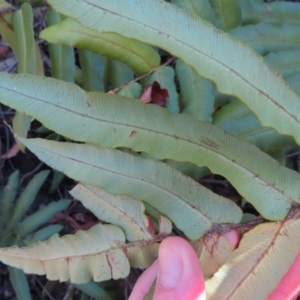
[
  {"x": 289, "y": 286},
  {"x": 179, "y": 272},
  {"x": 144, "y": 282},
  {"x": 233, "y": 237}
]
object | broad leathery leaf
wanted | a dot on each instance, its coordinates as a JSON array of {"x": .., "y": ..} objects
[
  {"x": 114, "y": 121},
  {"x": 275, "y": 12},
  {"x": 140, "y": 57},
  {"x": 57, "y": 178},
  {"x": 22, "y": 21},
  {"x": 40, "y": 217},
  {"x": 279, "y": 155},
  {"x": 20, "y": 284},
  {"x": 228, "y": 13},
  {"x": 248, "y": 217},
  {"x": 236, "y": 119},
  {"x": 132, "y": 90},
  {"x": 62, "y": 56},
  {"x": 201, "y": 8},
  {"x": 265, "y": 38},
  {"x": 211, "y": 52},
  {"x": 142, "y": 257},
  {"x": 293, "y": 81},
  {"x": 239, "y": 121},
  {"x": 222, "y": 99},
  {"x": 94, "y": 290},
  {"x": 152, "y": 212},
  {"x": 8, "y": 239},
  {"x": 6, "y": 29},
  {"x": 165, "y": 225},
  {"x": 263, "y": 257},
  {"x": 286, "y": 62},
  {"x": 212, "y": 250},
  {"x": 165, "y": 77},
  {"x": 7, "y": 198},
  {"x": 27, "y": 198},
  {"x": 29, "y": 59},
  {"x": 43, "y": 234},
  {"x": 116, "y": 74},
  {"x": 78, "y": 76},
  {"x": 196, "y": 92},
  {"x": 193, "y": 208},
  {"x": 21, "y": 125},
  {"x": 92, "y": 66},
  {"x": 97, "y": 254},
  {"x": 119, "y": 210},
  {"x": 188, "y": 169}
]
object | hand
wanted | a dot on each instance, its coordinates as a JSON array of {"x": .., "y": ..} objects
[{"x": 179, "y": 275}]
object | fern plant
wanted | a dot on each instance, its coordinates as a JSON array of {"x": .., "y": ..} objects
[
  {"x": 131, "y": 155},
  {"x": 18, "y": 229}
]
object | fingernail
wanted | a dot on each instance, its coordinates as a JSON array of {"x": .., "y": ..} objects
[{"x": 170, "y": 269}]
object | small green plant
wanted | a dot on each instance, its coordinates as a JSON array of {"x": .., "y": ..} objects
[
  {"x": 16, "y": 228},
  {"x": 236, "y": 114}
]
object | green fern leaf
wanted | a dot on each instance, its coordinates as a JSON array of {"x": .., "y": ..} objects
[
  {"x": 211, "y": 52},
  {"x": 94, "y": 254},
  {"x": 139, "y": 57},
  {"x": 113, "y": 121},
  {"x": 264, "y": 256},
  {"x": 193, "y": 208},
  {"x": 121, "y": 211}
]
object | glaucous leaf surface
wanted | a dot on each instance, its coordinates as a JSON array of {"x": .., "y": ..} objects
[
  {"x": 211, "y": 52},
  {"x": 193, "y": 208},
  {"x": 93, "y": 254},
  {"x": 119, "y": 210},
  {"x": 256, "y": 267},
  {"x": 139, "y": 57},
  {"x": 113, "y": 121}
]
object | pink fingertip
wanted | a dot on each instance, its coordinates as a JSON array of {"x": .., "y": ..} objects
[
  {"x": 289, "y": 286},
  {"x": 144, "y": 282},
  {"x": 233, "y": 237},
  {"x": 185, "y": 269}
]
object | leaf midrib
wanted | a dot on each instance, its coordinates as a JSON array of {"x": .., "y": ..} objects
[
  {"x": 96, "y": 35},
  {"x": 190, "y": 204},
  {"x": 257, "y": 264},
  {"x": 226, "y": 158},
  {"x": 131, "y": 219},
  {"x": 120, "y": 247},
  {"x": 202, "y": 53}
]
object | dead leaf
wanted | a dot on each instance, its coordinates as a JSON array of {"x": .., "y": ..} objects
[
  {"x": 159, "y": 96},
  {"x": 155, "y": 94}
]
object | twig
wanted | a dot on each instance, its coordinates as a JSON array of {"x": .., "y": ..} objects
[
  {"x": 293, "y": 154},
  {"x": 248, "y": 225},
  {"x": 7, "y": 138},
  {"x": 7, "y": 10},
  {"x": 143, "y": 76},
  {"x": 11, "y": 67},
  {"x": 221, "y": 229},
  {"x": 10, "y": 128},
  {"x": 31, "y": 172},
  {"x": 44, "y": 289}
]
